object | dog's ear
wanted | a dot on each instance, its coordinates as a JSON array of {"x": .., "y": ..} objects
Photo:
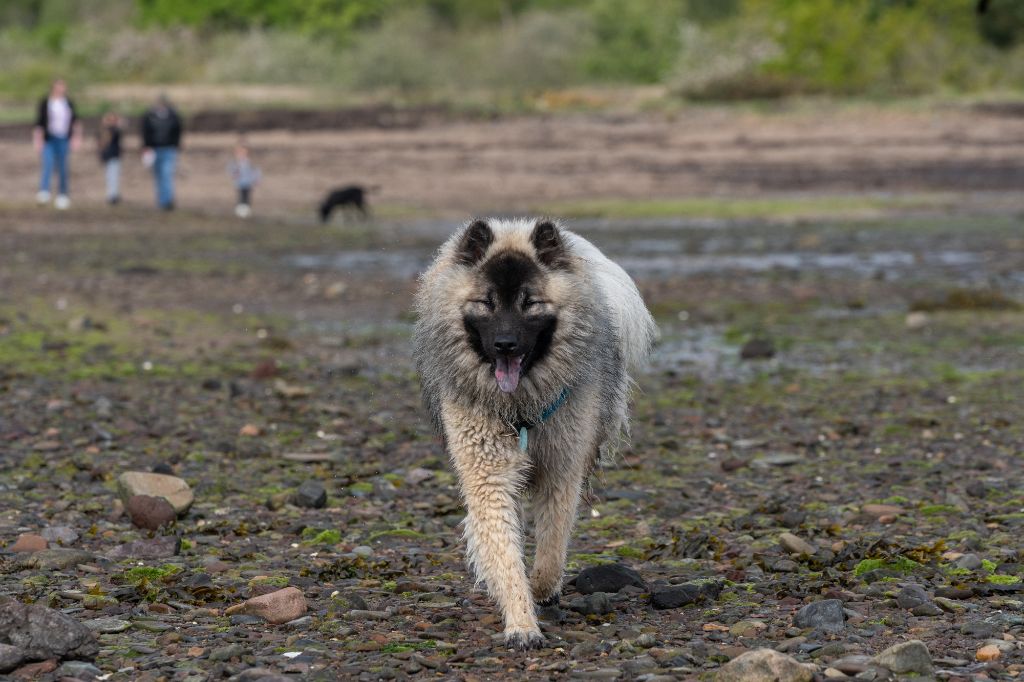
[
  {"x": 475, "y": 241},
  {"x": 547, "y": 240}
]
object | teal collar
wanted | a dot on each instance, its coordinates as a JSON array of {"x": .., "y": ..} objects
[{"x": 524, "y": 427}]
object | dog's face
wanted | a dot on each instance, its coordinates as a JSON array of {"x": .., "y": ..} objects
[{"x": 508, "y": 316}]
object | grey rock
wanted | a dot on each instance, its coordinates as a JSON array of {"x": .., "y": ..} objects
[
  {"x": 61, "y": 535},
  {"x": 245, "y": 619},
  {"x": 82, "y": 670},
  {"x": 226, "y": 653},
  {"x": 927, "y": 609},
  {"x": 981, "y": 629},
  {"x": 906, "y": 657},
  {"x": 599, "y": 674},
  {"x": 796, "y": 545},
  {"x": 607, "y": 578},
  {"x": 675, "y": 596},
  {"x": 758, "y": 348},
  {"x": 826, "y": 615},
  {"x": 10, "y": 657},
  {"x": 596, "y": 604},
  {"x": 851, "y": 665},
  {"x": 764, "y": 665},
  {"x": 107, "y": 625},
  {"x": 912, "y": 595},
  {"x": 42, "y": 633},
  {"x": 311, "y": 495},
  {"x": 56, "y": 559},
  {"x": 153, "y": 548},
  {"x": 972, "y": 562},
  {"x": 260, "y": 675},
  {"x": 646, "y": 641},
  {"x": 639, "y": 665}
]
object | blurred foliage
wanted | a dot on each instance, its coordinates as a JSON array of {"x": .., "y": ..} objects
[{"x": 712, "y": 49}]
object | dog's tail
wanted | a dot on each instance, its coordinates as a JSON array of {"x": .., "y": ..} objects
[{"x": 637, "y": 330}]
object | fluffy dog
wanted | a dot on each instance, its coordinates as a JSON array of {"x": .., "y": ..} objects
[{"x": 524, "y": 337}]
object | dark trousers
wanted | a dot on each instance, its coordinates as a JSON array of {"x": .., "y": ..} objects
[{"x": 244, "y": 195}]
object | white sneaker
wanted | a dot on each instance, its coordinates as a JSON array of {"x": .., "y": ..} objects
[
  {"x": 243, "y": 210},
  {"x": 42, "y": 197},
  {"x": 62, "y": 202}
]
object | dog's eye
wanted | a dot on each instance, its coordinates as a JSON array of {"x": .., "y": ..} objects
[
  {"x": 483, "y": 301},
  {"x": 532, "y": 302}
]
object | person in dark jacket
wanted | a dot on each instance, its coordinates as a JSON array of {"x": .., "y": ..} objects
[
  {"x": 56, "y": 133},
  {"x": 161, "y": 140},
  {"x": 109, "y": 144}
]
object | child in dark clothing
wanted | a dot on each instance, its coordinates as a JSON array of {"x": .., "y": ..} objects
[{"x": 110, "y": 154}]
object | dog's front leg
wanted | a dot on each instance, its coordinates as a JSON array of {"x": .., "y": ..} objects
[
  {"x": 558, "y": 485},
  {"x": 491, "y": 472}
]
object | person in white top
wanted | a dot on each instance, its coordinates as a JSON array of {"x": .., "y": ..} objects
[{"x": 57, "y": 132}]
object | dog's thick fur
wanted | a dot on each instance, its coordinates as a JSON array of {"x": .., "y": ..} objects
[{"x": 510, "y": 314}]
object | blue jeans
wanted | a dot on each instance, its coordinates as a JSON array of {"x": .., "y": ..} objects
[
  {"x": 163, "y": 175},
  {"x": 55, "y": 152}
]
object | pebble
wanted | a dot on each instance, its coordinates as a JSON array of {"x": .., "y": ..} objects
[
  {"x": 910, "y": 596},
  {"x": 310, "y": 495},
  {"x": 881, "y": 509},
  {"x": 175, "y": 490},
  {"x": 989, "y": 652},
  {"x": 28, "y": 542},
  {"x": 277, "y": 607},
  {"x": 150, "y": 512},
  {"x": 675, "y": 596},
  {"x": 906, "y": 657},
  {"x": 851, "y": 665},
  {"x": 62, "y": 535},
  {"x": 796, "y": 545},
  {"x": 226, "y": 653},
  {"x": 44, "y": 633},
  {"x": 826, "y": 615},
  {"x": 758, "y": 348},
  {"x": 10, "y": 657},
  {"x": 56, "y": 559},
  {"x": 971, "y": 562},
  {"x": 764, "y": 665},
  {"x": 363, "y": 551},
  {"x": 607, "y": 578},
  {"x": 596, "y": 604},
  {"x": 81, "y": 670},
  {"x": 981, "y": 629},
  {"x": 747, "y": 628},
  {"x": 107, "y": 625},
  {"x": 418, "y": 475},
  {"x": 161, "y": 547}
]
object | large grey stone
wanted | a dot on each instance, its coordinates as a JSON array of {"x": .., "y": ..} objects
[
  {"x": 173, "y": 489},
  {"x": 826, "y": 615},
  {"x": 43, "y": 633},
  {"x": 607, "y": 578},
  {"x": 906, "y": 657},
  {"x": 764, "y": 665}
]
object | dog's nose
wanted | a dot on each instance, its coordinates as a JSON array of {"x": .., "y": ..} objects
[{"x": 506, "y": 344}]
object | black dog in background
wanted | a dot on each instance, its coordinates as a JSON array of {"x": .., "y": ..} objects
[{"x": 349, "y": 197}]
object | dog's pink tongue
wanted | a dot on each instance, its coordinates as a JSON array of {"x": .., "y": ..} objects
[{"x": 506, "y": 371}]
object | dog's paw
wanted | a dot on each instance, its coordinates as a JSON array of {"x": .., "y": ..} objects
[
  {"x": 550, "y": 601},
  {"x": 524, "y": 640}
]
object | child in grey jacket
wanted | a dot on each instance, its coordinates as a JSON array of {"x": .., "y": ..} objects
[{"x": 246, "y": 176}]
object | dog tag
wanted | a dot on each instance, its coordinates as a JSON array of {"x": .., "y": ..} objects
[{"x": 523, "y": 438}]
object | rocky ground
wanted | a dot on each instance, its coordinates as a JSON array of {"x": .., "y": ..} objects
[{"x": 825, "y": 462}]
